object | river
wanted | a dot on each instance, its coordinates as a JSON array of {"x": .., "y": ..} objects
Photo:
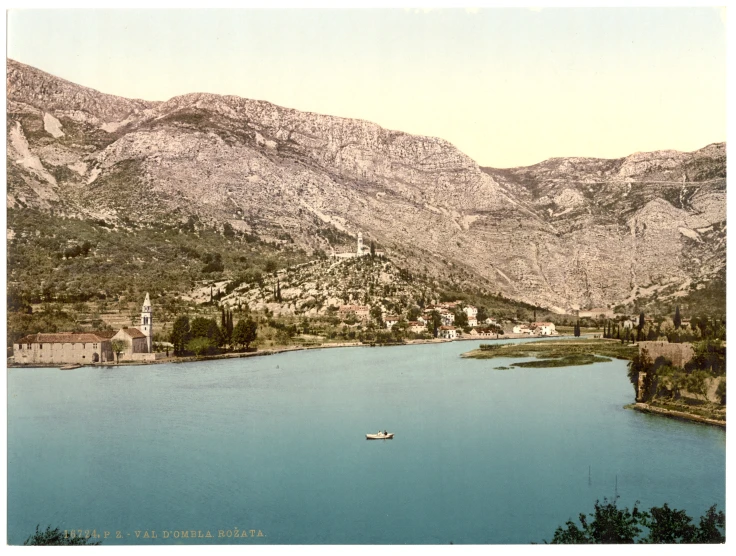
[{"x": 277, "y": 445}]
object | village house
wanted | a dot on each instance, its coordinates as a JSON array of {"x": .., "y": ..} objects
[
  {"x": 447, "y": 317},
  {"x": 544, "y": 328},
  {"x": 522, "y": 329},
  {"x": 482, "y": 333},
  {"x": 471, "y": 311},
  {"x": 417, "y": 327},
  {"x": 391, "y": 320},
  {"x": 448, "y": 332},
  {"x": 472, "y": 321},
  {"x": 490, "y": 320},
  {"x": 361, "y": 312}
]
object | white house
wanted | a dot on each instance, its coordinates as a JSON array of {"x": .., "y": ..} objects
[
  {"x": 545, "y": 328},
  {"x": 471, "y": 311},
  {"x": 448, "y": 332},
  {"x": 448, "y": 318},
  {"x": 417, "y": 327},
  {"x": 472, "y": 321},
  {"x": 390, "y": 321}
]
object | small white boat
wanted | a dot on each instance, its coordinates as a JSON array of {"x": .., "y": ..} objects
[{"x": 379, "y": 436}]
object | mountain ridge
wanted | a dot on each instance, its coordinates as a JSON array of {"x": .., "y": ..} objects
[{"x": 565, "y": 233}]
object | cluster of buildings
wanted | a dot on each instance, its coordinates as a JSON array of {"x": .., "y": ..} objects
[
  {"x": 86, "y": 348},
  {"x": 536, "y": 329},
  {"x": 446, "y": 311}
]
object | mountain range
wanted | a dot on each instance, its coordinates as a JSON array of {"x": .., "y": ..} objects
[{"x": 567, "y": 233}]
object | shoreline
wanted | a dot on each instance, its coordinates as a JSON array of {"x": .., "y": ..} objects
[
  {"x": 267, "y": 351},
  {"x": 673, "y": 414}
]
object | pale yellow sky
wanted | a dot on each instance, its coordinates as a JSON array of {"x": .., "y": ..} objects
[{"x": 507, "y": 86}]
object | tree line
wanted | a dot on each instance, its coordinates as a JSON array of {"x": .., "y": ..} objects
[
  {"x": 203, "y": 336},
  {"x": 671, "y": 330}
]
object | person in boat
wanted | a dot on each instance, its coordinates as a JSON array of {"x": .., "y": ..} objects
[{"x": 384, "y": 433}]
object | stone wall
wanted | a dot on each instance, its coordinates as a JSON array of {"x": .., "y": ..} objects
[{"x": 679, "y": 354}]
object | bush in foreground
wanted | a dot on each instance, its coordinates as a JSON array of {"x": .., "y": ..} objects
[
  {"x": 55, "y": 537},
  {"x": 613, "y": 525}
]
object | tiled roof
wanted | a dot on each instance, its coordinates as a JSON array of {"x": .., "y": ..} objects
[
  {"x": 62, "y": 338},
  {"x": 133, "y": 332}
]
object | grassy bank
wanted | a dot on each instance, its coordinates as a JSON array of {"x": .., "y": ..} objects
[{"x": 562, "y": 353}]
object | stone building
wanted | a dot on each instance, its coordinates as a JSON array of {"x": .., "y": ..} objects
[
  {"x": 361, "y": 312},
  {"x": 135, "y": 342},
  {"x": 448, "y": 332},
  {"x": 63, "y": 348}
]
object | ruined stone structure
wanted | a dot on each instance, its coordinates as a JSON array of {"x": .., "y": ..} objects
[{"x": 679, "y": 354}]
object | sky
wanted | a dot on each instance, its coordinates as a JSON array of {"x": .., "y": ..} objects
[{"x": 508, "y": 87}]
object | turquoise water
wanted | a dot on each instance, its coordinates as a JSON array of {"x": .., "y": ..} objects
[{"x": 277, "y": 445}]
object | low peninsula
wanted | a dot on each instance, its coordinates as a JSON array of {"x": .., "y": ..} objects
[{"x": 560, "y": 353}]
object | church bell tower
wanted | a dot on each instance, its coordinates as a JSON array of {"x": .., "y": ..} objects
[{"x": 147, "y": 322}]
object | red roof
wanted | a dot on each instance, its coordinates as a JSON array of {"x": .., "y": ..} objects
[
  {"x": 134, "y": 333},
  {"x": 62, "y": 338}
]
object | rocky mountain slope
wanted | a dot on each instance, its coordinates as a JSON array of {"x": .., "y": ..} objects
[{"x": 565, "y": 233}]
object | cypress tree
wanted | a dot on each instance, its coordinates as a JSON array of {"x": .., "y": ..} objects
[{"x": 677, "y": 320}]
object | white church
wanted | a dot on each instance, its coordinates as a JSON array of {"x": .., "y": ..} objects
[{"x": 361, "y": 251}]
